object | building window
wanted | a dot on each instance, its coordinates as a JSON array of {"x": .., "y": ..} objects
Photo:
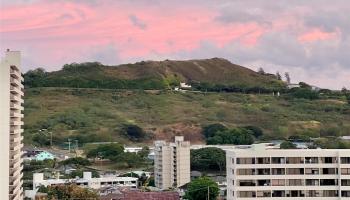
[
  {"x": 278, "y": 160},
  {"x": 329, "y": 160},
  {"x": 313, "y": 193},
  {"x": 278, "y": 193},
  {"x": 345, "y": 160},
  {"x": 330, "y": 193},
  {"x": 345, "y": 182},
  {"x": 263, "y": 160},
  {"x": 295, "y": 171},
  {"x": 312, "y": 182},
  {"x": 245, "y": 171},
  {"x": 294, "y": 160},
  {"x": 311, "y": 171},
  {"x": 247, "y": 194},
  {"x": 263, "y": 194},
  {"x": 311, "y": 160},
  {"x": 345, "y": 193},
  {"x": 295, "y": 182},
  {"x": 265, "y": 171},
  {"x": 264, "y": 182},
  {"x": 245, "y": 161},
  {"x": 329, "y": 171},
  {"x": 327, "y": 182},
  {"x": 278, "y": 182},
  {"x": 345, "y": 171},
  {"x": 247, "y": 183},
  {"x": 278, "y": 171}
]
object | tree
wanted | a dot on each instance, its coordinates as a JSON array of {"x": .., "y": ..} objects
[
  {"x": 68, "y": 192},
  {"x": 261, "y": 71},
  {"x": 237, "y": 136},
  {"x": 209, "y": 158},
  {"x": 287, "y": 77},
  {"x": 130, "y": 159},
  {"x": 348, "y": 98},
  {"x": 144, "y": 152},
  {"x": 134, "y": 132},
  {"x": 257, "y": 132},
  {"x": 212, "y": 129},
  {"x": 198, "y": 189},
  {"x": 287, "y": 145},
  {"x": 304, "y": 93},
  {"x": 78, "y": 161},
  {"x": 106, "y": 151},
  {"x": 278, "y": 76}
]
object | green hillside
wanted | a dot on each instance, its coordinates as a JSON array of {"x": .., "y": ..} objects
[
  {"x": 92, "y": 115},
  {"x": 215, "y": 72}
]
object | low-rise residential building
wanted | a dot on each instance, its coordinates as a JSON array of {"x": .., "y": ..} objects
[
  {"x": 172, "y": 163},
  {"x": 86, "y": 181},
  {"x": 266, "y": 173},
  {"x": 44, "y": 155}
]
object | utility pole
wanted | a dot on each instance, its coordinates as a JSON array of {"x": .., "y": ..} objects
[
  {"x": 76, "y": 145},
  {"x": 208, "y": 193},
  {"x": 69, "y": 141},
  {"x": 51, "y": 139}
]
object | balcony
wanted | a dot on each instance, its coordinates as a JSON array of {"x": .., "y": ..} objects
[
  {"x": 16, "y": 90},
  {"x": 16, "y": 115},
  {"x": 15, "y": 106},
  {"x": 16, "y": 82},
  {"x": 16, "y": 123},
  {"x": 15, "y": 98}
]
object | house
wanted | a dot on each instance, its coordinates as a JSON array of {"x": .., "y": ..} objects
[
  {"x": 185, "y": 86},
  {"x": 44, "y": 155},
  {"x": 293, "y": 85}
]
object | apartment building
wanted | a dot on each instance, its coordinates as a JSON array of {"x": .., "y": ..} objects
[
  {"x": 172, "y": 163},
  {"x": 87, "y": 181},
  {"x": 11, "y": 89},
  {"x": 258, "y": 172}
]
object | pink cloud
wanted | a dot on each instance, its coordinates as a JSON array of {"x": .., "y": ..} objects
[
  {"x": 73, "y": 26},
  {"x": 316, "y": 35}
]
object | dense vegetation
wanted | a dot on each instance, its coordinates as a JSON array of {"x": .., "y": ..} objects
[
  {"x": 68, "y": 192},
  {"x": 89, "y": 115},
  {"x": 206, "y": 159},
  {"x": 115, "y": 153},
  {"x": 200, "y": 188},
  {"x": 210, "y": 75}
]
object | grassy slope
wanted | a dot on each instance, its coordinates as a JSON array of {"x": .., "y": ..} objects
[
  {"x": 166, "y": 114},
  {"x": 215, "y": 70}
]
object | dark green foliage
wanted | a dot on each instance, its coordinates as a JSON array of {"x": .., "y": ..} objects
[
  {"x": 348, "y": 98},
  {"x": 198, "y": 189},
  {"x": 212, "y": 129},
  {"x": 287, "y": 145},
  {"x": 80, "y": 174},
  {"x": 331, "y": 143},
  {"x": 77, "y": 161},
  {"x": 304, "y": 93},
  {"x": 144, "y": 152},
  {"x": 237, "y": 136},
  {"x": 257, "y": 132},
  {"x": 134, "y": 132},
  {"x": 129, "y": 159},
  {"x": 106, "y": 151},
  {"x": 68, "y": 192},
  {"x": 210, "y": 158}
]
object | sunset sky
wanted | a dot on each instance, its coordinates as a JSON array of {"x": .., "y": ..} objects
[{"x": 309, "y": 39}]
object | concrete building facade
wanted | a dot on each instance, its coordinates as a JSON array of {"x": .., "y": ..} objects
[
  {"x": 11, "y": 122},
  {"x": 261, "y": 173},
  {"x": 87, "y": 181},
  {"x": 172, "y": 163}
]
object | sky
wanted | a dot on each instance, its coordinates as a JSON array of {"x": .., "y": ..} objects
[{"x": 309, "y": 39}]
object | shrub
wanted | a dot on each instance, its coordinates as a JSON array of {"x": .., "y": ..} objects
[{"x": 212, "y": 129}]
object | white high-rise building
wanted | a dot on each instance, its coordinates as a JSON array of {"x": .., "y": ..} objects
[
  {"x": 304, "y": 174},
  {"x": 11, "y": 90},
  {"x": 172, "y": 163}
]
